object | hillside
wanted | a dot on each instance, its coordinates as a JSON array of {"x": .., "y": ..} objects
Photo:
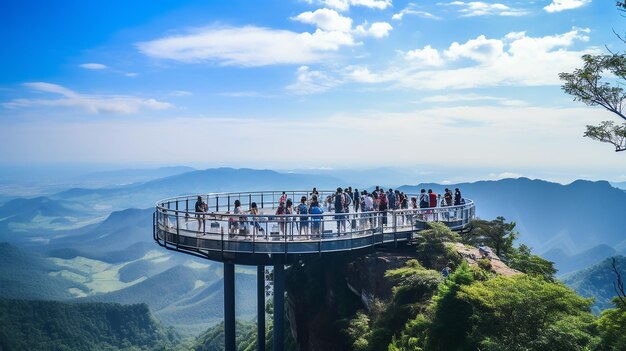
[
  {"x": 26, "y": 275},
  {"x": 120, "y": 230},
  {"x": 48, "y": 325},
  {"x": 597, "y": 282},
  {"x": 187, "y": 298}
]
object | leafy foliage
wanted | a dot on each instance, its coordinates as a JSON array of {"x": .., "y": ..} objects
[
  {"x": 497, "y": 234},
  {"x": 587, "y": 85},
  {"x": 527, "y": 313},
  {"x": 608, "y": 132},
  {"x": 612, "y": 327},
  {"x": 432, "y": 251},
  {"x": 501, "y": 236},
  {"x": 523, "y": 260},
  {"x": 359, "y": 332},
  {"x": 414, "y": 286}
]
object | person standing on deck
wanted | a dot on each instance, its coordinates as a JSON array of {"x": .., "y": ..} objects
[
  {"x": 448, "y": 197},
  {"x": 348, "y": 200},
  {"x": 432, "y": 203},
  {"x": 201, "y": 207},
  {"x": 357, "y": 200},
  {"x": 432, "y": 199},
  {"x": 302, "y": 209},
  {"x": 457, "y": 197},
  {"x": 340, "y": 205},
  {"x": 383, "y": 205}
]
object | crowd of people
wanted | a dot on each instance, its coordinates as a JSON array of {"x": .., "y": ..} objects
[{"x": 371, "y": 209}]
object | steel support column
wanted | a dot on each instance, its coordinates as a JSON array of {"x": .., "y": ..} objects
[
  {"x": 260, "y": 300},
  {"x": 279, "y": 306},
  {"x": 229, "y": 306}
]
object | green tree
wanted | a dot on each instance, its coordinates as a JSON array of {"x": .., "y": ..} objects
[
  {"x": 445, "y": 323},
  {"x": 431, "y": 247},
  {"x": 497, "y": 234},
  {"x": 612, "y": 327},
  {"x": 523, "y": 260},
  {"x": 528, "y": 313},
  {"x": 588, "y": 86},
  {"x": 450, "y": 316}
]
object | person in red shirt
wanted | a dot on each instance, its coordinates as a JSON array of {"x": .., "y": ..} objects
[{"x": 433, "y": 198}]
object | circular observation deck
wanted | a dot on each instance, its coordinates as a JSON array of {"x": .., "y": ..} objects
[{"x": 219, "y": 234}]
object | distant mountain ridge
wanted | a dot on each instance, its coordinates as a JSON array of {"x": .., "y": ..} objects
[
  {"x": 198, "y": 182},
  {"x": 132, "y": 175},
  {"x": 573, "y": 217}
]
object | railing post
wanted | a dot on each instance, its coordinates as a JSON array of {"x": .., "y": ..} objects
[
  {"x": 154, "y": 217},
  {"x": 261, "y": 200},
  {"x": 395, "y": 228},
  {"x": 217, "y": 203},
  {"x": 177, "y": 226},
  {"x": 228, "y": 203}
]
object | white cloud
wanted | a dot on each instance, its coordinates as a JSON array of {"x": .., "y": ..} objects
[
  {"x": 180, "y": 93},
  {"x": 562, "y": 5},
  {"x": 242, "y": 94},
  {"x": 325, "y": 19},
  {"x": 376, "y": 30},
  {"x": 122, "y": 104},
  {"x": 131, "y": 74},
  {"x": 309, "y": 82},
  {"x": 471, "y": 97},
  {"x": 374, "y": 4},
  {"x": 480, "y": 8},
  {"x": 247, "y": 46},
  {"x": 409, "y": 11},
  {"x": 480, "y": 49},
  {"x": 540, "y": 131},
  {"x": 93, "y": 66},
  {"x": 426, "y": 56},
  {"x": 364, "y": 75},
  {"x": 515, "y": 60},
  {"x": 331, "y": 21},
  {"x": 344, "y": 5}
]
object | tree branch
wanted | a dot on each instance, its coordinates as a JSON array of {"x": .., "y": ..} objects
[{"x": 619, "y": 285}]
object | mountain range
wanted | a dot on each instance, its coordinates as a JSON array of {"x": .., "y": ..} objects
[{"x": 96, "y": 244}]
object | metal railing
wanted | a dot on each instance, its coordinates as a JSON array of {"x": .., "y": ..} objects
[{"x": 176, "y": 223}]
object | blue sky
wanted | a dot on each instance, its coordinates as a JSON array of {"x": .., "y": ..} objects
[{"x": 303, "y": 84}]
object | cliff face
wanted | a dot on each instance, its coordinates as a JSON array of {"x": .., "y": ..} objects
[
  {"x": 365, "y": 276},
  {"x": 324, "y": 293}
]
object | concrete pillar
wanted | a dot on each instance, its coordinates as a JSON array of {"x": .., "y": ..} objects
[
  {"x": 279, "y": 306},
  {"x": 260, "y": 300},
  {"x": 229, "y": 307}
]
